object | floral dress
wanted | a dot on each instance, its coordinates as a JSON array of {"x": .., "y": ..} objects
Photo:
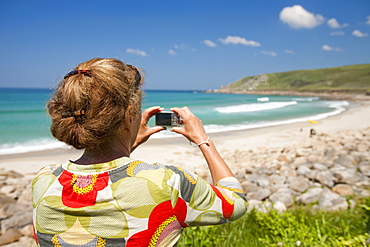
[{"x": 127, "y": 202}]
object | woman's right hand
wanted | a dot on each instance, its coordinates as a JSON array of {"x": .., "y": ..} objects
[
  {"x": 144, "y": 130},
  {"x": 192, "y": 128}
]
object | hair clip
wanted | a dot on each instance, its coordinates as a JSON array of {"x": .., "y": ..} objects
[
  {"x": 73, "y": 113},
  {"x": 137, "y": 77},
  {"x": 78, "y": 72}
]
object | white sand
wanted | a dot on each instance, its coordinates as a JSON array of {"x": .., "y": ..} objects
[{"x": 177, "y": 151}]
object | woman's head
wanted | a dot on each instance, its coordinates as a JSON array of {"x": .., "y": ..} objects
[{"x": 95, "y": 102}]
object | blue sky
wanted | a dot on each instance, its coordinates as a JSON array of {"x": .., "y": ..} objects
[{"x": 180, "y": 44}]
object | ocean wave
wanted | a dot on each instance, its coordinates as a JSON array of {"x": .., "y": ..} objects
[
  {"x": 306, "y": 99},
  {"x": 31, "y": 146},
  {"x": 254, "y": 107},
  {"x": 337, "y": 104},
  {"x": 263, "y": 99}
]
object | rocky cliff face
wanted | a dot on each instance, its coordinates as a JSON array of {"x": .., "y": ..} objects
[{"x": 253, "y": 82}]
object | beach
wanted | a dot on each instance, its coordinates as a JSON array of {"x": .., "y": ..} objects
[{"x": 178, "y": 151}]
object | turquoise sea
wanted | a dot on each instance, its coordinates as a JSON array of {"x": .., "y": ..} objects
[{"x": 24, "y": 124}]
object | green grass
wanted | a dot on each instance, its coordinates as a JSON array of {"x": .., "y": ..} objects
[
  {"x": 344, "y": 228},
  {"x": 353, "y": 78}
]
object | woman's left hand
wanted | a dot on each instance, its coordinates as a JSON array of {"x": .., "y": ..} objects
[{"x": 145, "y": 131}]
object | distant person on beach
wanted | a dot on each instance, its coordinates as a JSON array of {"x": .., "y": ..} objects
[
  {"x": 312, "y": 132},
  {"x": 106, "y": 198}
]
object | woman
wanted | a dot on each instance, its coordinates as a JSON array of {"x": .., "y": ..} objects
[{"x": 104, "y": 198}]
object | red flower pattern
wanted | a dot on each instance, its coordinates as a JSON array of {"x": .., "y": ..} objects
[
  {"x": 162, "y": 221},
  {"x": 227, "y": 203},
  {"x": 81, "y": 190}
]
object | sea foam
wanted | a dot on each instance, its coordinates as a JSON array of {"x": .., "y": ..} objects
[
  {"x": 338, "y": 106},
  {"x": 254, "y": 107},
  {"x": 263, "y": 99},
  {"x": 31, "y": 146},
  {"x": 306, "y": 99}
]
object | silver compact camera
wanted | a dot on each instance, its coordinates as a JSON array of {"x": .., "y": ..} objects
[{"x": 167, "y": 119}]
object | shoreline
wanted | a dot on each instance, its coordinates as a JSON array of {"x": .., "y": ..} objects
[
  {"x": 353, "y": 97},
  {"x": 177, "y": 150}
]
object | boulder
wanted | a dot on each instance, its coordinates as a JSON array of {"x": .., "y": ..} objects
[
  {"x": 346, "y": 160},
  {"x": 330, "y": 201},
  {"x": 260, "y": 180},
  {"x": 16, "y": 221},
  {"x": 9, "y": 236},
  {"x": 262, "y": 194},
  {"x": 303, "y": 152},
  {"x": 249, "y": 187},
  {"x": 27, "y": 230},
  {"x": 343, "y": 189},
  {"x": 299, "y": 183},
  {"x": 311, "y": 196},
  {"x": 320, "y": 167},
  {"x": 277, "y": 179},
  {"x": 280, "y": 206},
  {"x": 303, "y": 170},
  {"x": 326, "y": 178},
  {"x": 344, "y": 175},
  {"x": 284, "y": 195},
  {"x": 364, "y": 167}
]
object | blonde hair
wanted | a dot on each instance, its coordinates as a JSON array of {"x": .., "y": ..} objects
[{"x": 104, "y": 96}]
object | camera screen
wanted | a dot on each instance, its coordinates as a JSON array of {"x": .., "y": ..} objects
[{"x": 163, "y": 119}]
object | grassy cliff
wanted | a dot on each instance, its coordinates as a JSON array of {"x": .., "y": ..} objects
[{"x": 346, "y": 79}]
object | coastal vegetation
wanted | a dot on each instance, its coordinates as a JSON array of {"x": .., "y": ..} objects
[
  {"x": 345, "y": 79},
  {"x": 296, "y": 227}
]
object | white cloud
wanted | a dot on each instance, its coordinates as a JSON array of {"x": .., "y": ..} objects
[
  {"x": 359, "y": 34},
  {"x": 329, "y": 48},
  {"x": 172, "y": 52},
  {"x": 270, "y": 53},
  {"x": 238, "y": 40},
  {"x": 326, "y": 48},
  {"x": 136, "y": 52},
  {"x": 184, "y": 47},
  {"x": 209, "y": 43},
  {"x": 289, "y": 51},
  {"x": 368, "y": 20},
  {"x": 181, "y": 46},
  {"x": 337, "y": 33},
  {"x": 297, "y": 17},
  {"x": 333, "y": 23}
]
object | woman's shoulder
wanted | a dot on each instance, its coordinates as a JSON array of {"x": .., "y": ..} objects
[
  {"x": 136, "y": 167},
  {"x": 166, "y": 171},
  {"x": 48, "y": 169}
]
